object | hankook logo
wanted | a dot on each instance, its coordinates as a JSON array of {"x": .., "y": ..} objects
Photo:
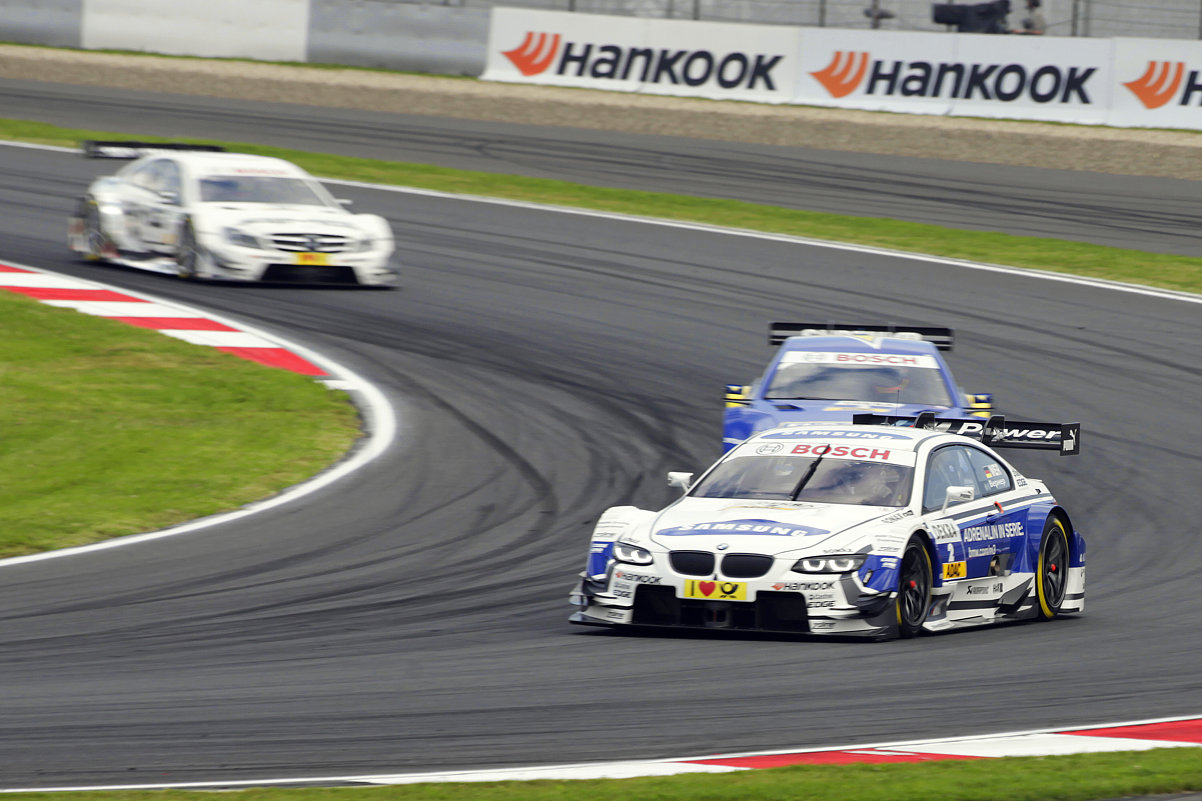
[
  {"x": 850, "y": 71},
  {"x": 1159, "y": 83},
  {"x": 540, "y": 52},
  {"x": 843, "y": 74},
  {"x": 535, "y": 53}
]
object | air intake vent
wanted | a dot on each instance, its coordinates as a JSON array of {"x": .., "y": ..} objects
[
  {"x": 692, "y": 563},
  {"x": 745, "y": 565}
]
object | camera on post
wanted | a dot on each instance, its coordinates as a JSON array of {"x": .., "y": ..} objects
[{"x": 974, "y": 17}]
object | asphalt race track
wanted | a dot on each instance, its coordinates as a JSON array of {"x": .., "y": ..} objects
[
  {"x": 1156, "y": 214},
  {"x": 546, "y": 366}
]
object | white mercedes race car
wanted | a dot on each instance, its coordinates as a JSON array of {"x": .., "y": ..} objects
[
  {"x": 889, "y": 527},
  {"x": 199, "y": 212}
]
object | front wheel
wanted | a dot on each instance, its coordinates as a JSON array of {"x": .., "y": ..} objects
[
  {"x": 913, "y": 589},
  {"x": 189, "y": 256},
  {"x": 94, "y": 238},
  {"x": 1051, "y": 572}
]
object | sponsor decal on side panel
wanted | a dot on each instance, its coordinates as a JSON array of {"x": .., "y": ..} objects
[
  {"x": 803, "y": 586},
  {"x": 955, "y": 570},
  {"x": 848, "y": 72},
  {"x": 541, "y": 51},
  {"x": 635, "y": 578}
]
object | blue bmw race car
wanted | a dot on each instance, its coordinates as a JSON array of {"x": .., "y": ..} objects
[{"x": 828, "y": 374}]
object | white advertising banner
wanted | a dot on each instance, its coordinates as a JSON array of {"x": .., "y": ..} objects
[
  {"x": 720, "y": 61},
  {"x": 977, "y": 75},
  {"x": 271, "y": 30},
  {"x": 1121, "y": 82},
  {"x": 1157, "y": 83},
  {"x": 856, "y": 69}
]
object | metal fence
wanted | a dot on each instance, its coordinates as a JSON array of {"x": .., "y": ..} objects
[{"x": 1167, "y": 19}]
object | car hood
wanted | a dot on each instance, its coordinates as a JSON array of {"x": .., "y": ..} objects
[
  {"x": 769, "y": 527},
  {"x": 261, "y": 218}
]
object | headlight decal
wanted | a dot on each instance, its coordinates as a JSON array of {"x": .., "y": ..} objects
[
  {"x": 631, "y": 554},
  {"x": 600, "y": 553},
  {"x": 834, "y": 563},
  {"x": 236, "y": 236}
]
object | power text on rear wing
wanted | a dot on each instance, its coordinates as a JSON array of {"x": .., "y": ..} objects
[{"x": 997, "y": 431}]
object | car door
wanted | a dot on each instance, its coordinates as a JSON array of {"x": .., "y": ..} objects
[
  {"x": 164, "y": 206},
  {"x": 975, "y": 538},
  {"x": 152, "y": 205}
]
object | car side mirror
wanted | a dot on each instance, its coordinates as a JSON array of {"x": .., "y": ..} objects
[
  {"x": 979, "y": 404},
  {"x": 682, "y": 480},
  {"x": 958, "y": 495},
  {"x": 167, "y": 196},
  {"x": 345, "y": 202},
  {"x": 737, "y": 395}
]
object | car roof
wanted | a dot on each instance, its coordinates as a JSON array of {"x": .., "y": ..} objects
[{"x": 204, "y": 163}]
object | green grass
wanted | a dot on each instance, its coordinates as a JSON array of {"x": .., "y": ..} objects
[
  {"x": 112, "y": 430},
  {"x": 1181, "y": 273},
  {"x": 1060, "y": 778}
]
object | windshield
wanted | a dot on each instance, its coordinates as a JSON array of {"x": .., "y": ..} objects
[
  {"x": 783, "y": 478},
  {"x": 877, "y": 383},
  {"x": 258, "y": 189}
]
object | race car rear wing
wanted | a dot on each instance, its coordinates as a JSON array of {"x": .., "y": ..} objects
[
  {"x": 941, "y": 338},
  {"x": 98, "y": 149},
  {"x": 997, "y": 432}
]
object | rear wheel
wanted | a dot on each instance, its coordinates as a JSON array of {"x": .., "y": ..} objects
[
  {"x": 1051, "y": 571},
  {"x": 914, "y": 588}
]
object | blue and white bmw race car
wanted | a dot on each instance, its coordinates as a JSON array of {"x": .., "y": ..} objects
[
  {"x": 828, "y": 374},
  {"x": 883, "y": 529}
]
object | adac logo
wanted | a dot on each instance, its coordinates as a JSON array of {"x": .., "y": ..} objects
[
  {"x": 1159, "y": 83},
  {"x": 535, "y": 53},
  {"x": 844, "y": 73}
]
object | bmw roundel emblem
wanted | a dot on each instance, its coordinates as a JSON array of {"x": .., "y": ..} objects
[{"x": 722, "y": 546}]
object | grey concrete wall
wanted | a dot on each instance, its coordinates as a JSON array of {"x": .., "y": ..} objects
[
  {"x": 446, "y": 40},
  {"x": 44, "y": 22}
]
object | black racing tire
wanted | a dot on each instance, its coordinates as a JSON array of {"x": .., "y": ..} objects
[
  {"x": 1051, "y": 569},
  {"x": 914, "y": 582},
  {"x": 188, "y": 254},
  {"x": 93, "y": 234}
]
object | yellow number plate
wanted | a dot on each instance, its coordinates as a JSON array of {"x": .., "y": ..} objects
[
  {"x": 716, "y": 590},
  {"x": 955, "y": 570},
  {"x": 320, "y": 259}
]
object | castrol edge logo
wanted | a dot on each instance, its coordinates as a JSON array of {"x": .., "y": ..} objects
[{"x": 541, "y": 53}]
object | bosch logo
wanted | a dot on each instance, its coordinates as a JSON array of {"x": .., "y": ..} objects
[{"x": 540, "y": 52}]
